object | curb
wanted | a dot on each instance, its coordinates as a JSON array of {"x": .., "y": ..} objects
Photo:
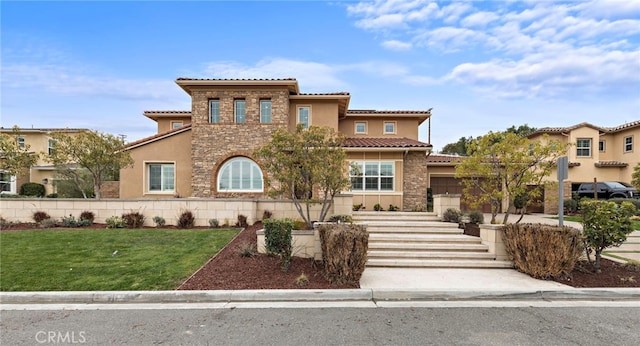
[{"x": 334, "y": 295}]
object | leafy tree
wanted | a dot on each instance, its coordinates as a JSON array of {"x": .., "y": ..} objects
[
  {"x": 13, "y": 158},
  {"x": 308, "y": 166},
  {"x": 457, "y": 148},
  {"x": 92, "y": 151},
  {"x": 605, "y": 224},
  {"x": 522, "y": 130},
  {"x": 635, "y": 177},
  {"x": 502, "y": 165}
]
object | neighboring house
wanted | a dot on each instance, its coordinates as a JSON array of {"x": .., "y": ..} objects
[
  {"x": 601, "y": 153},
  {"x": 38, "y": 140},
  {"x": 208, "y": 151}
]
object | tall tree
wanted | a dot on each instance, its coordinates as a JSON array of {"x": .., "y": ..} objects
[
  {"x": 308, "y": 166},
  {"x": 13, "y": 157},
  {"x": 502, "y": 165},
  {"x": 92, "y": 151},
  {"x": 635, "y": 177},
  {"x": 522, "y": 130},
  {"x": 457, "y": 148}
]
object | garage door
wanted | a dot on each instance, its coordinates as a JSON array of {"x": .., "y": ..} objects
[{"x": 450, "y": 185}]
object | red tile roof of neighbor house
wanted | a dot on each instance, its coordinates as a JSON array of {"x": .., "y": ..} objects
[
  {"x": 611, "y": 164},
  {"x": 238, "y": 79},
  {"x": 157, "y": 136},
  {"x": 364, "y": 142},
  {"x": 622, "y": 127},
  {"x": 372, "y": 111},
  {"x": 444, "y": 158}
]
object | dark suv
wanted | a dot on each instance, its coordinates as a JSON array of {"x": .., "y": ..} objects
[{"x": 607, "y": 189}]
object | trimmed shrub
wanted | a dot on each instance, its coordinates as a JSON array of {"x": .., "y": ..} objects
[
  {"x": 186, "y": 220},
  {"x": 32, "y": 189},
  {"x": 5, "y": 224},
  {"x": 605, "y": 224},
  {"x": 634, "y": 201},
  {"x": 452, "y": 215},
  {"x": 115, "y": 222},
  {"x": 48, "y": 223},
  {"x": 341, "y": 219},
  {"x": 242, "y": 221},
  {"x": 133, "y": 219},
  {"x": 70, "y": 221},
  {"x": 302, "y": 280},
  {"x": 277, "y": 239},
  {"x": 159, "y": 221},
  {"x": 543, "y": 251},
  {"x": 39, "y": 216},
  {"x": 476, "y": 217},
  {"x": 393, "y": 207},
  {"x": 356, "y": 207},
  {"x": 344, "y": 252},
  {"x": 570, "y": 206},
  {"x": 214, "y": 223},
  {"x": 378, "y": 207},
  {"x": 88, "y": 215}
]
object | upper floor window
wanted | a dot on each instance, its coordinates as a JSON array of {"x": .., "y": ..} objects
[
  {"x": 265, "y": 111},
  {"x": 241, "y": 110},
  {"x": 360, "y": 127},
  {"x": 372, "y": 176},
  {"x": 161, "y": 177},
  {"x": 303, "y": 116},
  {"x": 389, "y": 127},
  {"x": 51, "y": 145},
  {"x": 628, "y": 144},
  {"x": 240, "y": 174},
  {"x": 176, "y": 124},
  {"x": 214, "y": 111},
  {"x": 583, "y": 147},
  {"x": 21, "y": 143},
  {"x": 602, "y": 146}
]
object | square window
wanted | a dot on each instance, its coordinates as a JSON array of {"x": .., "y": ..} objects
[
  {"x": 240, "y": 109},
  {"x": 265, "y": 111},
  {"x": 161, "y": 177},
  {"x": 583, "y": 147},
  {"x": 389, "y": 127},
  {"x": 303, "y": 116},
  {"x": 360, "y": 127},
  {"x": 176, "y": 124},
  {"x": 602, "y": 146},
  {"x": 628, "y": 144},
  {"x": 214, "y": 111}
]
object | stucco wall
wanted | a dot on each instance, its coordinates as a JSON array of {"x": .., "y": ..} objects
[
  {"x": 404, "y": 127},
  {"x": 225, "y": 210}
]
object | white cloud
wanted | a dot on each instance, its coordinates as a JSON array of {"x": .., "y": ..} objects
[
  {"x": 451, "y": 39},
  {"x": 479, "y": 19},
  {"x": 397, "y": 45},
  {"x": 610, "y": 8}
]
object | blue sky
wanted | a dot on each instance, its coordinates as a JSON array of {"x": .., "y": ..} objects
[{"x": 481, "y": 66}]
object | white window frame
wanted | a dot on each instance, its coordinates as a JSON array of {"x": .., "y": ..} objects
[
  {"x": 627, "y": 145},
  {"x": 51, "y": 143},
  {"x": 240, "y": 111},
  {"x": 147, "y": 172},
  {"x": 13, "y": 189},
  {"x": 176, "y": 124},
  {"x": 580, "y": 149},
  {"x": 21, "y": 142},
  {"x": 395, "y": 127},
  {"x": 355, "y": 127},
  {"x": 308, "y": 122},
  {"x": 229, "y": 165},
  {"x": 264, "y": 117},
  {"x": 602, "y": 146},
  {"x": 365, "y": 174},
  {"x": 214, "y": 117}
]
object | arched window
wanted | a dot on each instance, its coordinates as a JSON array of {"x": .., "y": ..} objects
[{"x": 240, "y": 174}]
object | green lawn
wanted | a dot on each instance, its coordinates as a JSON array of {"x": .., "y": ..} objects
[
  {"x": 636, "y": 224},
  {"x": 83, "y": 259}
]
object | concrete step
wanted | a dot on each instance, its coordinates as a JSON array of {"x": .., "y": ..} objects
[
  {"x": 417, "y": 231},
  {"x": 418, "y": 263},
  {"x": 394, "y": 215},
  {"x": 425, "y": 247},
  {"x": 422, "y": 238},
  {"x": 406, "y": 224},
  {"x": 440, "y": 255}
]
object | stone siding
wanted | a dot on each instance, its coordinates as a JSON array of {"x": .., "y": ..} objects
[
  {"x": 415, "y": 180},
  {"x": 213, "y": 144}
]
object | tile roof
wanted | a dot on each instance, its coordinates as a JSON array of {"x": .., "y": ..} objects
[
  {"x": 167, "y": 112},
  {"x": 323, "y": 94},
  {"x": 157, "y": 136},
  {"x": 622, "y": 127},
  {"x": 364, "y": 142},
  {"x": 625, "y": 126},
  {"x": 372, "y": 111},
  {"x": 611, "y": 164},
  {"x": 444, "y": 158}
]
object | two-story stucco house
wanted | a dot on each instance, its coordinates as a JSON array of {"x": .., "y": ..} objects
[
  {"x": 208, "y": 151},
  {"x": 38, "y": 140}
]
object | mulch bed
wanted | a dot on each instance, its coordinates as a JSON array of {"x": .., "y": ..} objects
[
  {"x": 613, "y": 274},
  {"x": 230, "y": 271}
]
